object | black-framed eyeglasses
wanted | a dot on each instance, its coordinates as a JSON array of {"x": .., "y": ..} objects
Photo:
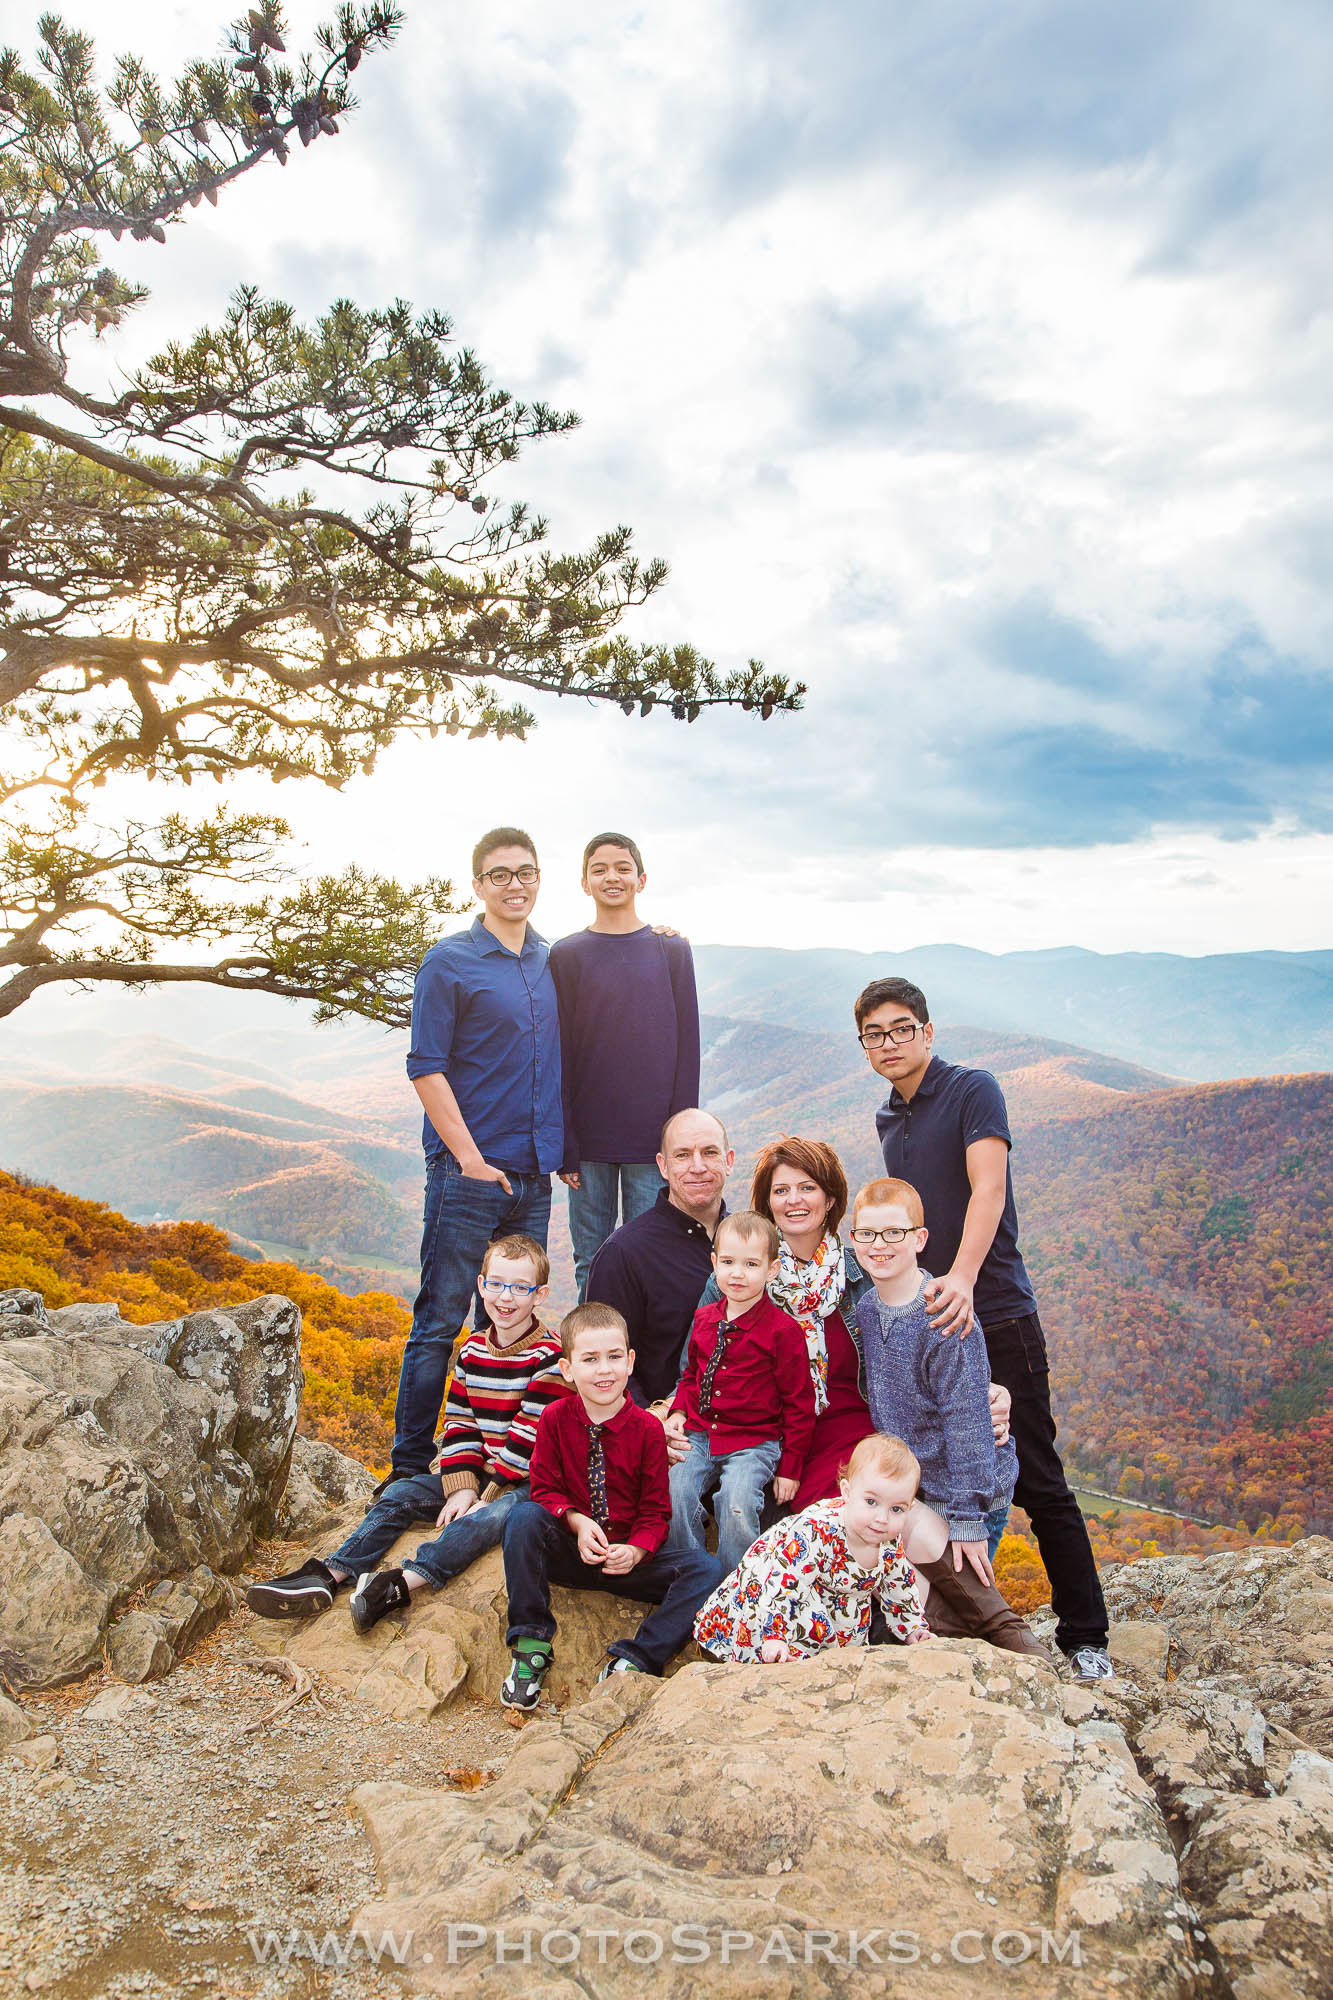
[
  {"x": 497, "y": 1287},
  {"x": 500, "y": 878},
  {"x": 865, "y": 1237},
  {"x": 899, "y": 1031}
]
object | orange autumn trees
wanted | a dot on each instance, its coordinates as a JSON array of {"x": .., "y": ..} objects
[{"x": 351, "y": 1345}]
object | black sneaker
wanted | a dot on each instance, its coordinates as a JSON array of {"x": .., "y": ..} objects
[
  {"x": 528, "y": 1669},
  {"x": 376, "y": 1592},
  {"x": 308, "y": 1589}
]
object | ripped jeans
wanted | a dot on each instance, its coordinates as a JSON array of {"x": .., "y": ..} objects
[{"x": 740, "y": 1478}]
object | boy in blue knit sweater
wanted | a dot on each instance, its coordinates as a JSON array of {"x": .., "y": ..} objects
[{"x": 934, "y": 1394}]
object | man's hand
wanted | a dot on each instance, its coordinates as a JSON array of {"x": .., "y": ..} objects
[
  {"x": 977, "y": 1556},
  {"x": 457, "y": 1503},
  {"x": 784, "y": 1490},
  {"x": 622, "y": 1557},
  {"x": 570, "y": 1179},
  {"x": 593, "y": 1545},
  {"x": 774, "y": 1652},
  {"x": 1001, "y": 1402},
  {"x": 949, "y": 1304},
  {"x": 677, "y": 1443},
  {"x": 474, "y": 1168}
]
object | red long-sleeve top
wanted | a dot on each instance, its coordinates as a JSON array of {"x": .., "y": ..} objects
[
  {"x": 638, "y": 1483},
  {"x": 761, "y": 1388}
]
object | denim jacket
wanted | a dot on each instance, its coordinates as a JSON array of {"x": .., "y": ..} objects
[{"x": 858, "y": 1284}]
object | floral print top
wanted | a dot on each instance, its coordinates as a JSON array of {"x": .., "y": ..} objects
[{"x": 800, "y": 1582}]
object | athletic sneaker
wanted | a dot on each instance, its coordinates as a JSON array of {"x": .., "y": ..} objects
[
  {"x": 308, "y": 1589},
  {"x": 378, "y": 1591},
  {"x": 528, "y": 1668},
  {"x": 617, "y": 1665},
  {"x": 1091, "y": 1663}
]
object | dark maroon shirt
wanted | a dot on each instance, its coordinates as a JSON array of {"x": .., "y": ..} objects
[
  {"x": 638, "y": 1483},
  {"x": 762, "y": 1388}
]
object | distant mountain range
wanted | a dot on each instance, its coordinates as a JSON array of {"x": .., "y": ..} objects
[{"x": 1259, "y": 1013}]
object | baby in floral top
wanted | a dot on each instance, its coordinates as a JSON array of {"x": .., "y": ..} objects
[{"x": 810, "y": 1581}]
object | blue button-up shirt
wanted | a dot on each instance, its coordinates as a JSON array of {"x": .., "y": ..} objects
[{"x": 486, "y": 1019}]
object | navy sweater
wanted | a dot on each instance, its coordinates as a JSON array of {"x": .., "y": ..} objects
[{"x": 629, "y": 1041}]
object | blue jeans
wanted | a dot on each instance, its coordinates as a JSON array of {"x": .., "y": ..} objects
[
  {"x": 540, "y": 1551},
  {"x": 740, "y": 1478},
  {"x": 462, "y": 1217},
  {"x": 996, "y": 1521},
  {"x": 405, "y": 1501},
  {"x": 603, "y": 1187}
]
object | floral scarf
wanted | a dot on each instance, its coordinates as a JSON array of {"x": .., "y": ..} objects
[{"x": 810, "y": 1292}]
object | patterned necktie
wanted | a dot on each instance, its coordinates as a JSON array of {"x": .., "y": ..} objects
[
  {"x": 597, "y": 1476},
  {"x": 710, "y": 1372}
]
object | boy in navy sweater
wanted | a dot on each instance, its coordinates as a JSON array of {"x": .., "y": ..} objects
[
  {"x": 598, "y": 1516},
  {"x": 629, "y": 1047}
]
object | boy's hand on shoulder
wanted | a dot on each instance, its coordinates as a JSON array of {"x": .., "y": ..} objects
[
  {"x": 949, "y": 1304},
  {"x": 622, "y": 1557},
  {"x": 784, "y": 1490},
  {"x": 456, "y": 1505},
  {"x": 665, "y": 930},
  {"x": 593, "y": 1545}
]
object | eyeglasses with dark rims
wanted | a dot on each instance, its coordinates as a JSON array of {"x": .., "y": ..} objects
[
  {"x": 897, "y": 1031},
  {"x": 865, "y": 1237},
  {"x": 500, "y": 878}
]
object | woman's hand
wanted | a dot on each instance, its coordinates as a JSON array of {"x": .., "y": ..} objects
[
  {"x": 1001, "y": 1402},
  {"x": 975, "y": 1553}
]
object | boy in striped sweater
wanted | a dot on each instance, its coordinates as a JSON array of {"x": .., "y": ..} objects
[{"x": 505, "y": 1375}]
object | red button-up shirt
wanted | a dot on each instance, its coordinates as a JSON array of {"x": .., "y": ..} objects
[
  {"x": 762, "y": 1389},
  {"x": 638, "y": 1483}
]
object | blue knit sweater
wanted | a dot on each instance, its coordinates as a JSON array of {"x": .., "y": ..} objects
[{"x": 932, "y": 1390}]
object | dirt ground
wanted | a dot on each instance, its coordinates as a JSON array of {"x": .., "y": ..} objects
[{"x": 158, "y": 1849}]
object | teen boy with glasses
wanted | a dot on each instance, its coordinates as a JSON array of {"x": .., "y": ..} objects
[
  {"x": 485, "y": 1062},
  {"x": 629, "y": 1047},
  {"x": 945, "y": 1129}
]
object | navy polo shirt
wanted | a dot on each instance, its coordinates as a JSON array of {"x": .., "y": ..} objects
[
  {"x": 652, "y": 1271},
  {"x": 925, "y": 1140},
  {"x": 486, "y": 1018}
]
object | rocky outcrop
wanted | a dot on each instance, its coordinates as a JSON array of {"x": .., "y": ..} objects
[
  {"x": 137, "y": 1466},
  {"x": 451, "y": 1644}
]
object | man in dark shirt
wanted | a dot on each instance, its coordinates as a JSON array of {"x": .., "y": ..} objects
[
  {"x": 945, "y": 1130},
  {"x": 485, "y": 1062},
  {"x": 653, "y": 1270},
  {"x": 629, "y": 1047}
]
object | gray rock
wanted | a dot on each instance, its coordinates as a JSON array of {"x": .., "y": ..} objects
[
  {"x": 323, "y": 1486},
  {"x": 88, "y": 1316},
  {"x": 121, "y": 1467},
  {"x": 137, "y": 1649},
  {"x": 14, "y": 1724},
  {"x": 22, "y": 1313}
]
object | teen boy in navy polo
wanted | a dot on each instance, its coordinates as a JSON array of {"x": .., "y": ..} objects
[
  {"x": 946, "y": 1130},
  {"x": 599, "y": 1513},
  {"x": 485, "y": 1062},
  {"x": 629, "y": 1047}
]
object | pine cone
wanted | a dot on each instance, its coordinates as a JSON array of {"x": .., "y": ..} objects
[
  {"x": 199, "y": 131},
  {"x": 84, "y": 131},
  {"x": 479, "y": 505}
]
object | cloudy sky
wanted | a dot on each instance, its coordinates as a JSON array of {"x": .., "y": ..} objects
[{"x": 969, "y": 363}]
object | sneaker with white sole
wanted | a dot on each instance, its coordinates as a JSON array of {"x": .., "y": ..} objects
[
  {"x": 1091, "y": 1663},
  {"x": 617, "y": 1665},
  {"x": 528, "y": 1668},
  {"x": 306, "y": 1590},
  {"x": 377, "y": 1592}
]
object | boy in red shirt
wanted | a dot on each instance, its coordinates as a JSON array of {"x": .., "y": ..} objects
[
  {"x": 744, "y": 1407},
  {"x": 598, "y": 1515}
]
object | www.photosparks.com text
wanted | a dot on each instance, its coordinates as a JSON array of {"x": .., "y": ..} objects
[{"x": 681, "y": 1944}]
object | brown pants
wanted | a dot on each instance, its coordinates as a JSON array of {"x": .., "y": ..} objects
[{"x": 961, "y": 1606}]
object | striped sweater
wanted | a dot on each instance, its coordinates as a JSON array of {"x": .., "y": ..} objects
[{"x": 496, "y": 1395}]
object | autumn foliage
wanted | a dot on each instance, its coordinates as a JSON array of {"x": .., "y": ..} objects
[{"x": 351, "y": 1346}]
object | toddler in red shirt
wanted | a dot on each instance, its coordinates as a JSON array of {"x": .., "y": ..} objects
[
  {"x": 744, "y": 1407},
  {"x": 598, "y": 1516}
]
